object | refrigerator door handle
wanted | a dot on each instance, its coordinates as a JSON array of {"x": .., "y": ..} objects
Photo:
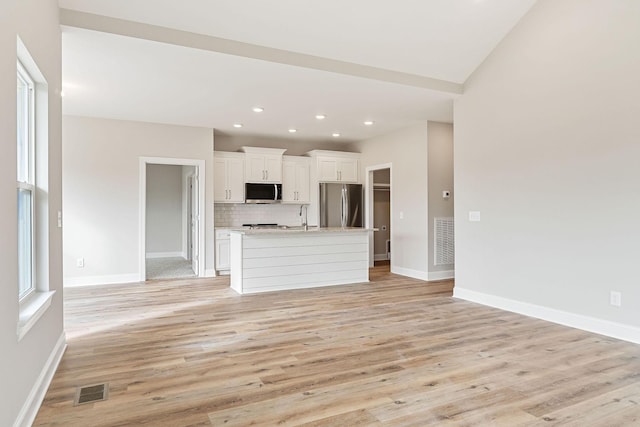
[
  {"x": 343, "y": 203},
  {"x": 347, "y": 208}
]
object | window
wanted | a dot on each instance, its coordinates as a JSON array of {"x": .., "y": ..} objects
[{"x": 26, "y": 183}]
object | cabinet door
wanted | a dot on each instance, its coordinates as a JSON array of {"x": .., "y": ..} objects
[
  {"x": 235, "y": 180},
  {"x": 220, "y": 193},
  {"x": 289, "y": 181},
  {"x": 222, "y": 254},
  {"x": 255, "y": 168},
  {"x": 347, "y": 170},
  {"x": 302, "y": 179},
  {"x": 273, "y": 168},
  {"x": 327, "y": 169}
]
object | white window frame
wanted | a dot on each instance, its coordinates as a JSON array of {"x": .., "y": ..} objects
[
  {"x": 34, "y": 304},
  {"x": 29, "y": 184}
]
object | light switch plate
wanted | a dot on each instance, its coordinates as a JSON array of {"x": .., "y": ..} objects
[{"x": 474, "y": 216}]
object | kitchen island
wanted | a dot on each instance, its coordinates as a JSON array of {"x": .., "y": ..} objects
[{"x": 264, "y": 260}]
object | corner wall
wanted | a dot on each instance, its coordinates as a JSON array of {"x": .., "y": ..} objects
[
  {"x": 101, "y": 191},
  {"x": 406, "y": 150},
  {"x": 547, "y": 148},
  {"x": 27, "y": 365},
  {"x": 440, "y": 170}
]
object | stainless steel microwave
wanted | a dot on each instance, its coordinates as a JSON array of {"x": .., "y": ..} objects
[{"x": 262, "y": 193}]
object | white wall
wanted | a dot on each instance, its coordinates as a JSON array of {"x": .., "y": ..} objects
[
  {"x": 547, "y": 148},
  {"x": 409, "y": 250},
  {"x": 440, "y": 169},
  {"x": 101, "y": 191},
  {"x": 22, "y": 363},
  {"x": 164, "y": 209}
]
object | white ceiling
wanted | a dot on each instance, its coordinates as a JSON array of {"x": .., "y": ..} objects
[{"x": 109, "y": 74}]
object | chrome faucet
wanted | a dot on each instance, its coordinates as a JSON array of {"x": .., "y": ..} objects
[{"x": 304, "y": 220}]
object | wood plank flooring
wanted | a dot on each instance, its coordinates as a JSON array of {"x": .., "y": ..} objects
[{"x": 394, "y": 352}]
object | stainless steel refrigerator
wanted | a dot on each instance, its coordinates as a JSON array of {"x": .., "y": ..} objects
[{"x": 341, "y": 205}]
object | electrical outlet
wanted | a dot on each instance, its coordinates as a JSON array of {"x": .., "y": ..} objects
[
  {"x": 615, "y": 298},
  {"x": 80, "y": 263}
]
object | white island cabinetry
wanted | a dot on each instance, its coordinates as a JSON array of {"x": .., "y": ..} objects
[{"x": 273, "y": 260}]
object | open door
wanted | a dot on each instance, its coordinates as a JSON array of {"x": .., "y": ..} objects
[{"x": 195, "y": 223}]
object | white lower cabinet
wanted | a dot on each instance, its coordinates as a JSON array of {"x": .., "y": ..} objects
[{"x": 222, "y": 250}]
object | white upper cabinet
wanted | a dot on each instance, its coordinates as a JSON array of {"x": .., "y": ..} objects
[
  {"x": 263, "y": 164},
  {"x": 337, "y": 166},
  {"x": 228, "y": 175},
  {"x": 295, "y": 179}
]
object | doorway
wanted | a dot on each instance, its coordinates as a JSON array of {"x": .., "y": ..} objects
[
  {"x": 171, "y": 205},
  {"x": 379, "y": 214}
]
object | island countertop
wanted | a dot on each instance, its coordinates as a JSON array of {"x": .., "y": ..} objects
[{"x": 298, "y": 229}]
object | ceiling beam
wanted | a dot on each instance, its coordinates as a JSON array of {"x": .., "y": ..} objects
[{"x": 105, "y": 24}]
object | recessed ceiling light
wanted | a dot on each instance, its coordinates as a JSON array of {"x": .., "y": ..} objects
[
  {"x": 61, "y": 94},
  {"x": 258, "y": 109},
  {"x": 320, "y": 116},
  {"x": 335, "y": 135},
  {"x": 368, "y": 122},
  {"x": 237, "y": 125},
  {"x": 293, "y": 130}
]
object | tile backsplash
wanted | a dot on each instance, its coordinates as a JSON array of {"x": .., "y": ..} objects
[{"x": 234, "y": 215}]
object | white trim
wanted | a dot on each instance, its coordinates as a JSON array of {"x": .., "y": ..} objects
[
  {"x": 210, "y": 273},
  {"x": 142, "y": 209},
  {"x": 441, "y": 275},
  {"x": 32, "y": 309},
  {"x": 30, "y": 408},
  {"x": 166, "y": 255},
  {"x": 416, "y": 274},
  {"x": 72, "y": 282},
  {"x": 586, "y": 323}
]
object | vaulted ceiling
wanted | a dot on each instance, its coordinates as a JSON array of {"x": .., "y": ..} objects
[{"x": 208, "y": 63}]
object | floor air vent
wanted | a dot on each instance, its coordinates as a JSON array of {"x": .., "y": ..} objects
[{"x": 91, "y": 393}]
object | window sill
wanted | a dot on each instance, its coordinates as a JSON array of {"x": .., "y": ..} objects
[{"x": 32, "y": 310}]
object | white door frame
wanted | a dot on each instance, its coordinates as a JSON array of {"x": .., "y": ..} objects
[
  {"x": 369, "y": 206},
  {"x": 200, "y": 172}
]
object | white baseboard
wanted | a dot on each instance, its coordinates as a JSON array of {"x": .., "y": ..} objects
[
  {"x": 209, "y": 273},
  {"x": 70, "y": 282},
  {"x": 579, "y": 321},
  {"x": 380, "y": 257},
  {"x": 416, "y": 274},
  {"x": 31, "y": 406},
  {"x": 165, "y": 255},
  {"x": 442, "y": 275}
]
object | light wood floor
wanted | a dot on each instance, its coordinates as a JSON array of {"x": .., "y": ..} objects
[{"x": 395, "y": 352}]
